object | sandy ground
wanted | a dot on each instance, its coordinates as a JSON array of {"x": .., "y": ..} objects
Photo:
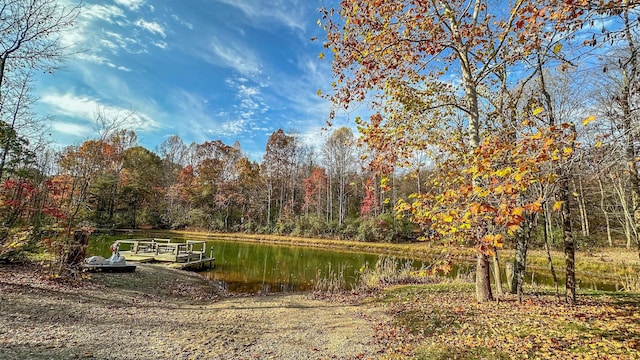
[{"x": 159, "y": 313}]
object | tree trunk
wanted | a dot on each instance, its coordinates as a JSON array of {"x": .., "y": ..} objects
[
  {"x": 605, "y": 212},
  {"x": 483, "y": 273},
  {"x": 483, "y": 278},
  {"x": 269, "y": 196},
  {"x": 74, "y": 254},
  {"x": 496, "y": 272},
  {"x": 629, "y": 228},
  {"x": 520, "y": 262},
  {"x": 548, "y": 251},
  {"x": 584, "y": 208},
  {"x": 564, "y": 195},
  {"x": 3, "y": 62},
  {"x": 584, "y": 220},
  {"x": 135, "y": 214},
  {"x": 569, "y": 242}
]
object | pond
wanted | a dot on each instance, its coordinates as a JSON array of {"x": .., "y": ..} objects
[
  {"x": 266, "y": 268},
  {"x": 259, "y": 268}
]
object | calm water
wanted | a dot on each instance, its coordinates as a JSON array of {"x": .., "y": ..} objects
[
  {"x": 264, "y": 268},
  {"x": 257, "y": 268}
]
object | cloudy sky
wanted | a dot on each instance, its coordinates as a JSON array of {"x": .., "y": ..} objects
[{"x": 201, "y": 69}]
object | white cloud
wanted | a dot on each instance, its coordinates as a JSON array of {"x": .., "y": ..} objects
[
  {"x": 69, "y": 128},
  {"x": 203, "y": 122},
  {"x": 93, "y": 58},
  {"x": 188, "y": 25},
  {"x": 288, "y": 12},
  {"x": 151, "y": 26},
  {"x": 133, "y": 5},
  {"x": 108, "y": 44},
  {"x": 106, "y": 13},
  {"x": 115, "y": 36},
  {"x": 249, "y": 98},
  {"x": 234, "y": 55},
  {"x": 84, "y": 108},
  {"x": 314, "y": 136},
  {"x": 161, "y": 44},
  {"x": 83, "y": 27},
  {"x": 100, "y": 31},
  {"x": 229, "y": 128}
]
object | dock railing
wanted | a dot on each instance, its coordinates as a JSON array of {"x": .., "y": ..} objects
[{"x": 163, "y": 249}]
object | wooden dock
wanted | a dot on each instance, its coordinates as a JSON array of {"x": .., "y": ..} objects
[{"x": 184, "y": 255}]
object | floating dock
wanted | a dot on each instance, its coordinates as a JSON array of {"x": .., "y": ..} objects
[{"x": 183, "y": 255}]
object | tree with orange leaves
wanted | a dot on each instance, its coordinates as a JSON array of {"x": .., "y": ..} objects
[{"x": 423, "y": 66}]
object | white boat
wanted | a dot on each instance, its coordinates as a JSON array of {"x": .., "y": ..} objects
[{"x": 115, "y": 263}]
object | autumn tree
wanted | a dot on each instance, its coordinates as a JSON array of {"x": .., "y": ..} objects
[
  {"x": 340, "y": 160},
  {"x": 215, "y": 176},
  {"x": 315, "y": 187},
  {"x": 278, "y": 166},
  {"x": 586, "y": 13},
  {"x": 184, "y": 193},
  {"x": 104, "y": 188},
  {"x": 173, "y": 151},
  {"x": 401, "y": 53},
  {"x": 250, "y": 188},
  {"x": 79, "y": 167},
  {"x": 141, "y": 192}
]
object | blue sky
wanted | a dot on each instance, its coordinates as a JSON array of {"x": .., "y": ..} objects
[{"x": 201, "y": 69}]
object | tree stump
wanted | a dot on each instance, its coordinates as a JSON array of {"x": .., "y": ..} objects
[{"x": 74, "y": 254}]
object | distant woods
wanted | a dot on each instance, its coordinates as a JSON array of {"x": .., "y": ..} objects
[{"x": 113, "y": 182}]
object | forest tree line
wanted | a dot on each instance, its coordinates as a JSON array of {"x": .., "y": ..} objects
[{"x": 112, "y": 182}]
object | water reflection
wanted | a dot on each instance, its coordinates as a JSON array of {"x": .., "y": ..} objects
[
  {"x": 258, "y": 268},
  {"x": 264, "y": 268}
]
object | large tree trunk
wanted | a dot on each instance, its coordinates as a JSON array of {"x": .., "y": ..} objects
[
  {"x": 563, "y": 195},
  {"x": 269, "y": 196},
  {"x": 483, "y": 273},
  {"x": 73, "y": 254},
  {"x": 483, "y": 278}
]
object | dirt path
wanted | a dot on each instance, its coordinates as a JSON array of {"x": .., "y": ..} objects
[{"x": 158, "y": 313}]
